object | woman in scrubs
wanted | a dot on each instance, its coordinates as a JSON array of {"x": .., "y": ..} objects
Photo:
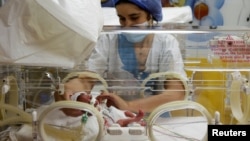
[{"x": 126, "y": 59}]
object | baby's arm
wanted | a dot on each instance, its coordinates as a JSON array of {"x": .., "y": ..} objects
[{"x": 131, "y": 118}]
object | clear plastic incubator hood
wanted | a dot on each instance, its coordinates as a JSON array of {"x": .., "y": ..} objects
[{"x": 39, "y": 59}]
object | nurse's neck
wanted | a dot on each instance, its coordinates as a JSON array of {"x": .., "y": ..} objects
[{"x": 146, "y": 42}]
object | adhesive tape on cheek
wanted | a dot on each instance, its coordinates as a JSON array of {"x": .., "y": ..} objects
[
  {"x": 93, "y": 100},
  {"x": 75, "y": 95}
]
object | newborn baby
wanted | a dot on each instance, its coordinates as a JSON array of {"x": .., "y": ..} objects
[
  {"x": 110, "y": 114},
  {"x": 78, "y": 86}
]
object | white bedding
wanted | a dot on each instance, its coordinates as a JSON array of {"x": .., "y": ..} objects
[
  {"x": 180, "y": 128},
  {"x": 174, "y": 129}
]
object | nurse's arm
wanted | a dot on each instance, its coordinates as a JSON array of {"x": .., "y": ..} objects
[{"x": 174, "y": 90}]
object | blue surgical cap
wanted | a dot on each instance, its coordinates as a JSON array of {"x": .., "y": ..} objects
[{"x": 154, "y": 7}]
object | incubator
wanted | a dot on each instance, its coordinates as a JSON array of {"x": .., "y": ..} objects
[
  {"x": 212, "y": 63},
  {"x": 216, "y": 63}
]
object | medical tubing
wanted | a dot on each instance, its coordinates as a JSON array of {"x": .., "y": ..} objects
[
  {"x": 12, "y": 93},
  {"x": 74, "y": 105},
  {"x": 22, "y": 118},
  {"x": 175, "y": 105},
  {"x": 2, "y": 101},
  {"x": 167, "y": 75},
  {"x": 76, "y": 95}
]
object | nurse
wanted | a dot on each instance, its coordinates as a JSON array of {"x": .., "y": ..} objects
[{"x": 127, "y": 59}]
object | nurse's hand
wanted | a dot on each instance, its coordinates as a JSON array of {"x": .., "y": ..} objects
[{"x": 113, "y": 100}]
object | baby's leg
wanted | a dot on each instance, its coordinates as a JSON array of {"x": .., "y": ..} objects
[{"x": 129, "y": 114}]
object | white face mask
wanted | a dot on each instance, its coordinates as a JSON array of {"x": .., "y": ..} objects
[{"x": 134, "y": 37}]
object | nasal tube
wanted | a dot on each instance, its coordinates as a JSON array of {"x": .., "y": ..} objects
[{"x": 76, "y": 95}]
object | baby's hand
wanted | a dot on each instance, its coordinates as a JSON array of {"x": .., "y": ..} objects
[{"x": 112, "y": 100}]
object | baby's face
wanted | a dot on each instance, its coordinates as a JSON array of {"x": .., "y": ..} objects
[
  {"x": 81, "y": 97},
  {"x": 80, "y": 86},
  {"x": 76, "y": 85}
]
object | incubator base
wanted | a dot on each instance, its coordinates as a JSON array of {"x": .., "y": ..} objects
[{"x": 134, "y": 132}]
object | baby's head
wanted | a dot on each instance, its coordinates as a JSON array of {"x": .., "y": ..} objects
[
  {"x": 76, "y": 86},
  {"x": 84, "y": 97}
]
